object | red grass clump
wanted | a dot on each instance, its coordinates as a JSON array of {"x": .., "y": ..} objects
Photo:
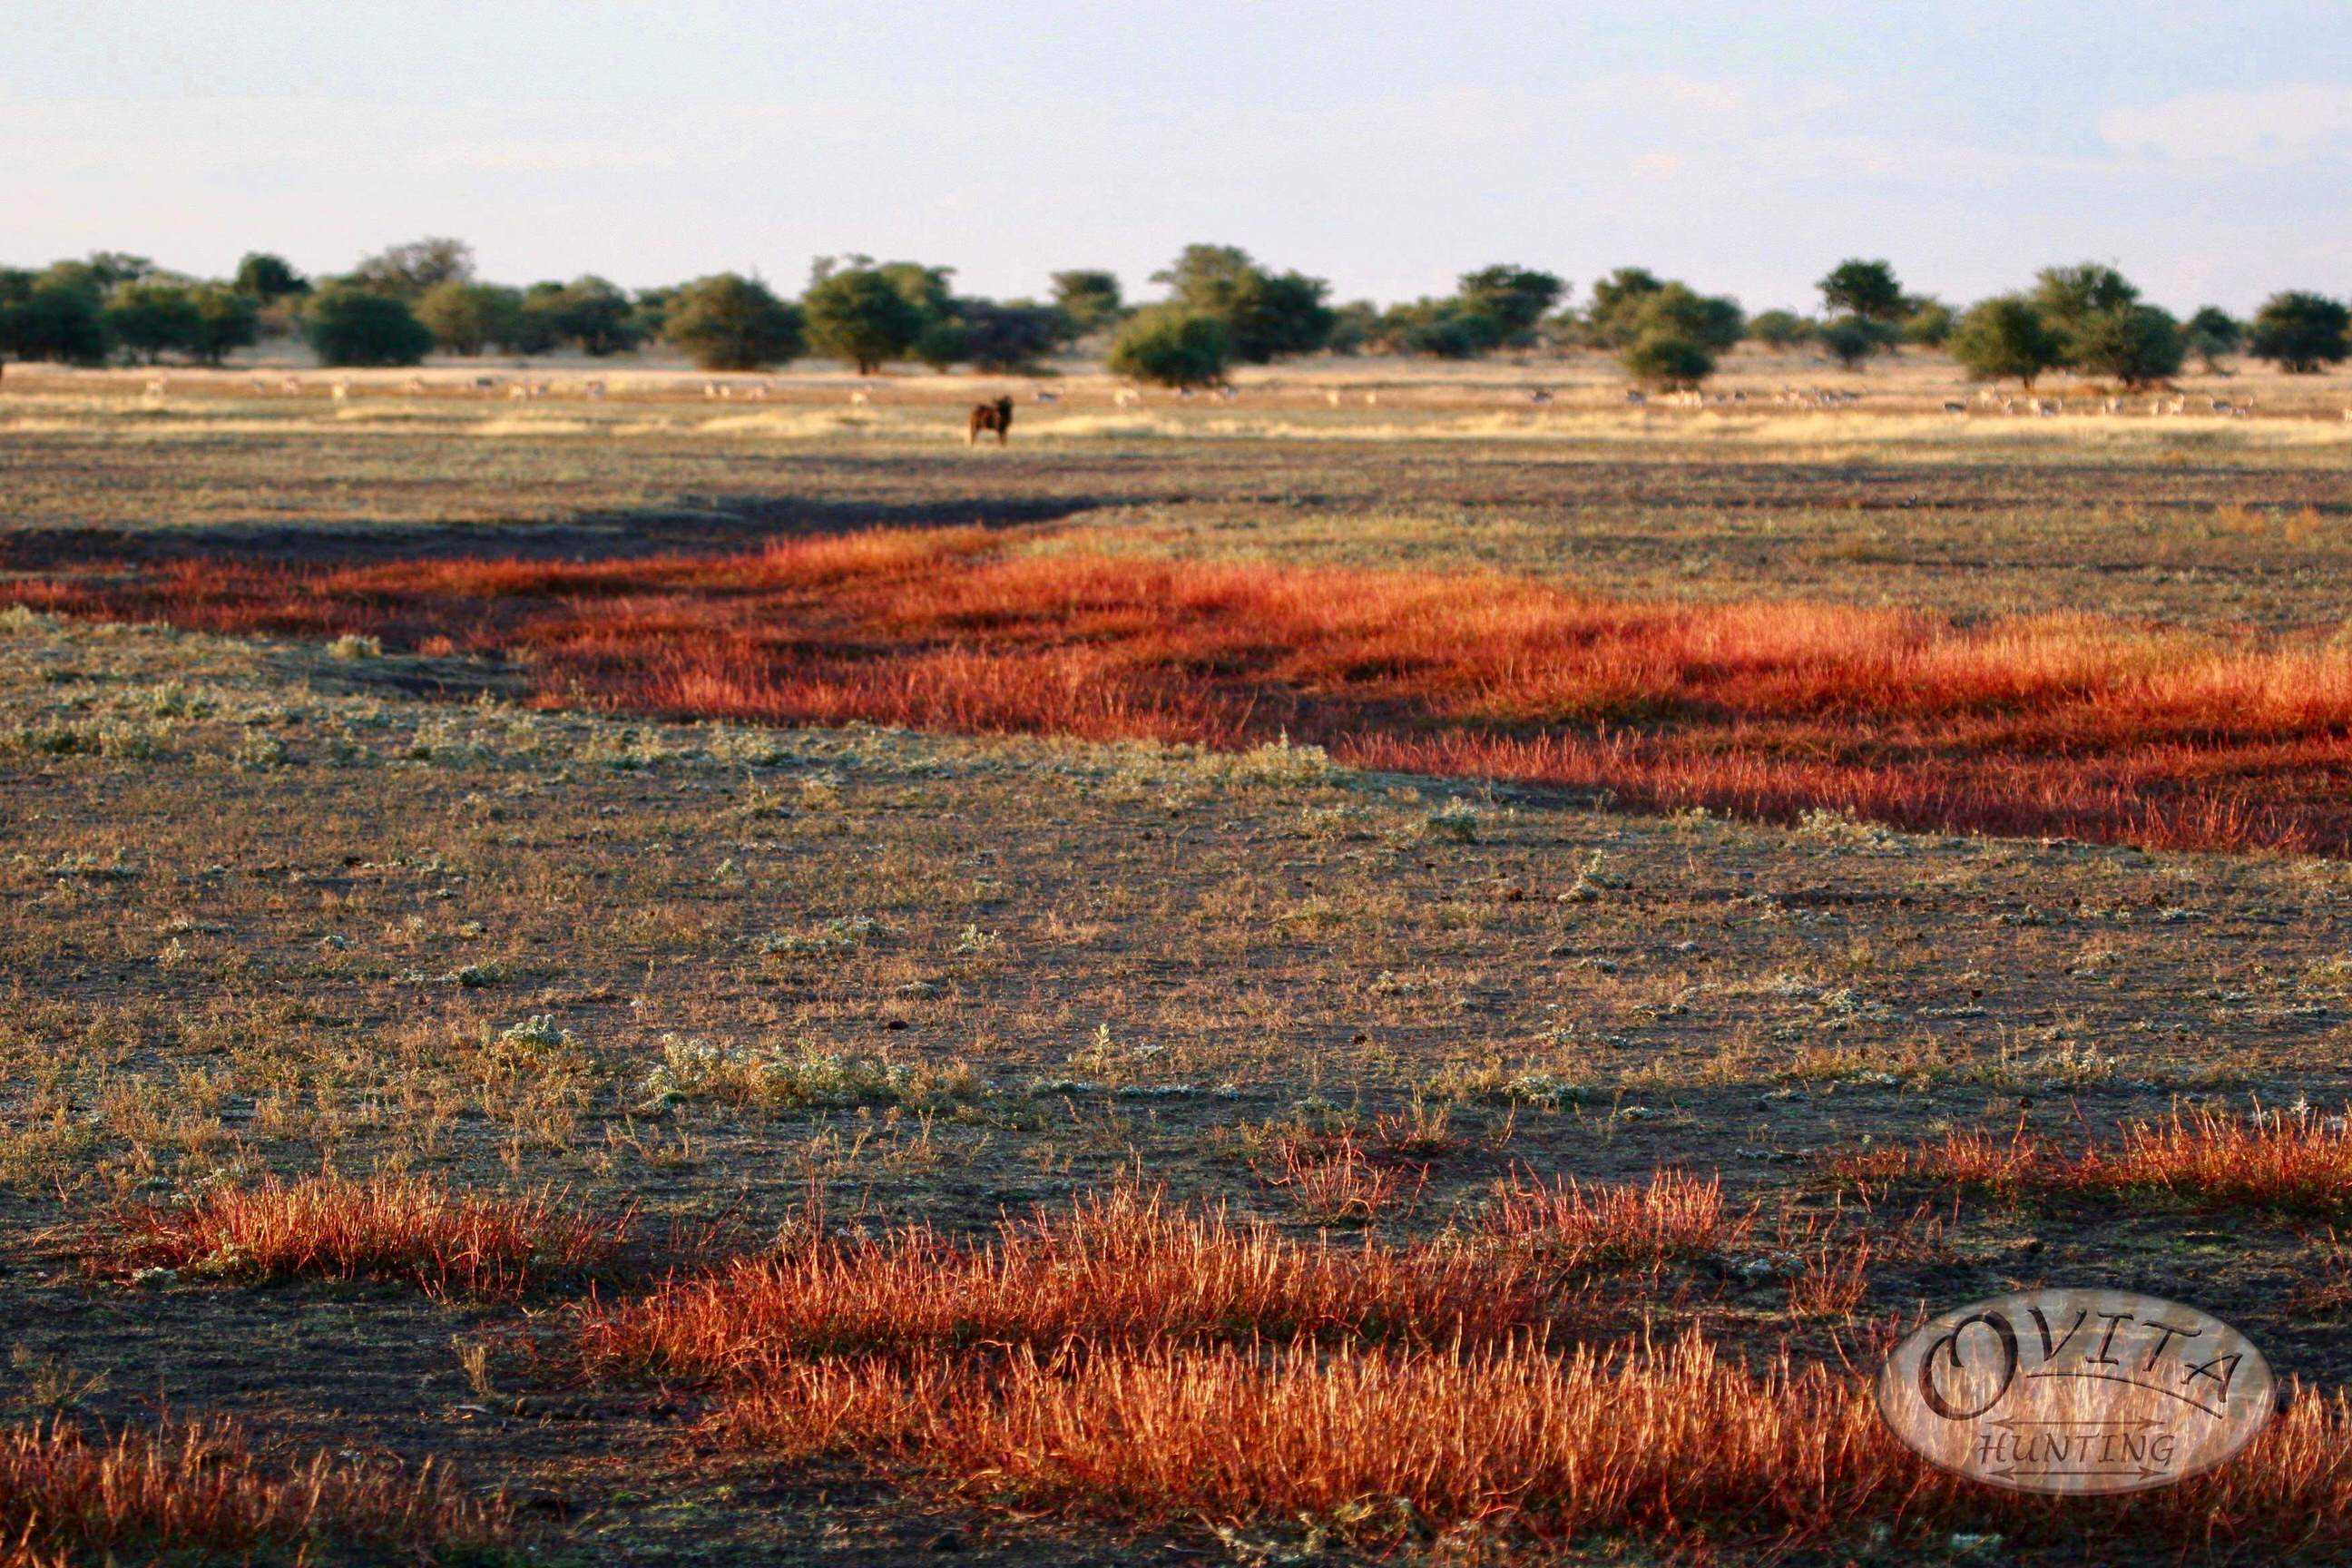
[
  {"x": 2294, "y": 1160},
  {"x": 1333, "y": 1180},
  {"x": 1132, "y": 1361},
  {"x": 190, "y": 1490},
  {"x": 385, "y": 1227},
  {"x": 1673, "y": 1216},
  {"x": 1123, "y": 1267},
  {"x": 2055, "y": 724},
  {"x": 1683, "y": 1445}
]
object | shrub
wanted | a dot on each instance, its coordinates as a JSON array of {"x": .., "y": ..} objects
[
  {"x": 266, "y": 278},
  {"x": 2300, "y": 332},
  {"x": 43, "y": 319},
  {"x": 2134, "y": 344},
  {"x": 1929, "y": 323},
  {"x": 1170, "y": 346},
  {"x": 465, "y": 318},
  {"x": 860, "y": 317},
  {"x": 1853, "y": 339},
  {"x": 730, "y": 322},
  {"x": 2210, "y": 333},
  {"x": 1780, "y": 330},
  {"x": 1088, "y": 300},
  {"x": 1003, "y": 338},
  {"x": 1265, "y": 315},
  {"x": 1667, "y": 359},
  {"x": 350, "y": 326},
  {"x": 1513, "y": 298},
  {"x": 148, "y": 318},
  {"x": 225, "y": 321},
  {"x": 2003, "y": 337},
  {"x": 1867, "y": 289}
]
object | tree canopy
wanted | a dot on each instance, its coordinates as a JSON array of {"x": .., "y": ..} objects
[{"x": 727, "y": 322}]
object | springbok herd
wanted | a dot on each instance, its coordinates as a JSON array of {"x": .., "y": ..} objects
[{"x": 1987, "y": 400}]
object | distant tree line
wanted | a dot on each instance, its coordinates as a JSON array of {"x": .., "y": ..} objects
[{"x": 1221, "y": 309}]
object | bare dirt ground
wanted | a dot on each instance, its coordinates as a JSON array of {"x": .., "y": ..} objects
[{"x": 273, "y": 908}]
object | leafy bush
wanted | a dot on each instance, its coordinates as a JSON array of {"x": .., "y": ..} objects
[
  {"x": 2210, "y": 333},
  {"x": 1170, "y": 346},
  {"x": 860, "y": 317},
  {"x": 730, "y": 322},
  {"x": 1853, "y": 339},
  {"x": 2134, "y": 344},
  {"x": 2005, "y": 336},
  {"x": 1265, "y": 315},
  {"x": 1088, "y": 300},
  {"x": 348, "y": 325},
  {"x": 1781, "y": 330},
  {"x": 2300, "y": 332},
  {"x": 1868, "y": 290},
  {"x": 465, "y": 318}
]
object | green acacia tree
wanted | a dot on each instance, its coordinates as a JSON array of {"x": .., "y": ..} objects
[
  {"x": 348, "y": 325},
  {"x": 2300, "y": 332},
  {"x": 225, "y": 321},
  {"x": 151, "y": 317},
  {"x": 1170, "y": 346},
  {"x": 2004, "y": 337},
  {"x": 727, "y": 322},
  {"x": 1868, "y": 289},
  {"x": 2210, "y": 333},
  {"x": 859, "y": 316},
  {"x": 467, "y": 318},
  {"x": 1089, "y": 299}
]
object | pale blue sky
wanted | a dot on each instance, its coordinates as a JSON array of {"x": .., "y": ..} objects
[{"x": 2206, "y": 148}]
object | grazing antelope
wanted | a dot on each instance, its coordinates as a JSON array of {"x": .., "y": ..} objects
[
  {"x": 710, "y": 390},
  {"x": 1332, "y": 398},
  {"x": 415, "y": 384},
  {"x": 996, "y": 416},
  {"x": 156, "y": 388},
  {"x": 1127, "y": 397},
  {"x": 2347, "y": 413},
  {"x": 1637, "y": 399},
  {"x": 1372, "y": 400},
  {"x": 340, "y": 392},
  {"x": 2111, "y": 406},
  {"x": 859, "y": 399},
  {"x": 516, "y": 392},
  {"x": 2045, "y": 408}
]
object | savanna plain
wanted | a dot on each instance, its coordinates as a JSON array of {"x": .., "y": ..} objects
[{"x": 628, "y": 967}]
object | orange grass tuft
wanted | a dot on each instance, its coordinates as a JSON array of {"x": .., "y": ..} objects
[
  {"x": 1673, "y": 1216},
  {"x": 198, "y": 1491},
  {"x": 2294, "y": 1160},
  {"x": 1133, "y": 1362},
  {"x": 1682, "y": 1444},
  {"x": 1121, "y": 1268},
  {"x": 385, "y": 1227},
  {"x": 2056, "y": 724}
]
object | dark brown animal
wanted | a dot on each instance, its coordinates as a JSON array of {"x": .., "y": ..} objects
[{"x": 996, "y": 416}]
